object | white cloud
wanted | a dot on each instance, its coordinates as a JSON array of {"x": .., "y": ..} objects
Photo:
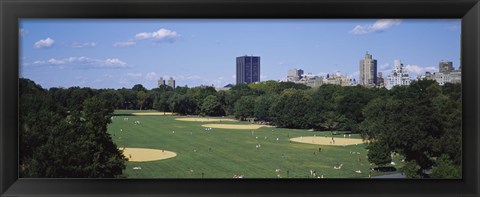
[
  {"x": 378, "y": 26},
  {"x": 160, "y": 35},
  {"x": 135, "y": 75},
  {"x": 263, "y": 77},
  {"x": 188, "y": 77},
  {"x": 56, "y": 62},
  {"x": 384, "y": 66},
  {"x": 85, "y": 62},
  {"x": 115, "y": 62},
  {"x": 48, "y": 42},
  {"x": 151, "y": 76},
  {"x": 124, "y": 44},
  {"x": 84, "y": 45},
  {"x": 355, "y": 75},
  {"x": 22, "y": 32},
  {"x": 418, "y": 70}
]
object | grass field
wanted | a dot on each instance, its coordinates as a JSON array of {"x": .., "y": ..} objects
[{"x": 223, "y": 153}]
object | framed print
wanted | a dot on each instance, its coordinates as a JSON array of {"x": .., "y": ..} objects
[{"x": 239, "y": 98}]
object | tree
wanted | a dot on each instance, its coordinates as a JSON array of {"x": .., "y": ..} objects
[
  {"x": 266, "y": 87},
  {"x": 113, "y": 97},
  {"x": 230, "y": 97},
  {"x": 129, "y": 98},
  {"x": 289, "y": 85},
  {"x": 211, "y": 106},
  {"x": 293, "y": 109},
  {"x": 227, "y": 100},
  {"x": 98, "y": 113},
  {"x": 106, "y": 157},
  {"x": 411, "y": 169},
  {"x": 446, "y": 169},
  {"x": 418, "y": 121},
  {"x": 332, "y": 120},
  {"x": 198, "y": 94},
  {"x": 138, "y": 88},
  {"x": 379, "y": 153},
  {"x": 141, "y": 98},
  {"x": 262, "y": 106},
  {"x": 244, "y": 107},
  {"x": 183, "y": 104},
  {"x": 55, "y": 143},
  {"x": 350, "y": 103},
  {"x": 162, "y": 102},
  {"x": 377, "y": 118}
]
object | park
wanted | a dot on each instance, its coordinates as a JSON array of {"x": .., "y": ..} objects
[{"x": 162, "y": 145}]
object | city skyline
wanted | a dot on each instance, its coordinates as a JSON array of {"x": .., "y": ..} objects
[{"x": 122, "y": 53}]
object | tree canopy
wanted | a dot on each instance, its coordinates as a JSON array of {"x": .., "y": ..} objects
[{"x": 422, "y": 121}]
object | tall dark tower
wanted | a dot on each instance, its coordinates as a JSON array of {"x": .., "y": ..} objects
[{"x": 248, "y": 69}]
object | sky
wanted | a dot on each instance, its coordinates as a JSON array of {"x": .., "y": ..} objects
[{"x": 117, "y": 53}]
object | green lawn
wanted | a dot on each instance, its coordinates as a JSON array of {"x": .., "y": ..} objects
[{"x": 232, "y": 151}]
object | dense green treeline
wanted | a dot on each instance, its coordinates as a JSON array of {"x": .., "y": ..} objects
[
  {"x": 421, "y": 122},
  {"x": 65, "y": 142}
]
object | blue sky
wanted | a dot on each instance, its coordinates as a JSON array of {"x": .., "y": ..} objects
[{"x": 121, "y": 53}]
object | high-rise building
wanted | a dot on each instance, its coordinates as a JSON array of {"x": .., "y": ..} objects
[
  {"x": 380, "y": 80},
  {"x": 248, "y": 69},
  {"x": 447, "y": 74},
  {"x": 294, "y": 74},
  {"x": 445, "y": 67},
  {"x": 300, "y": 73},
  {"x": 368, "y": 71},
  {"x": 171, "y": 82},
  {"x": 399, "y": 76},
  {"x": 161, "y": 82}
]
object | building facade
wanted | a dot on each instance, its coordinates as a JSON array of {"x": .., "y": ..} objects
[
  {"x": 294, "y": 74},
  {"x": 161, "y": 81},
  {"x": 445, "y": 67},
  {"x": 380, "y": 80},
  {"x": 368, "y": 71},
  {"x": 447, "y": 74},
  {"x": 399, "y": 76},
  {"x": 248, "y": 69},
  {"x": 171, "y": 82},
  {"x": 337, "y": 79}
]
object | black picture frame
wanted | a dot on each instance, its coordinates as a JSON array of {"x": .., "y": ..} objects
[{"x": 13, "y": 10}]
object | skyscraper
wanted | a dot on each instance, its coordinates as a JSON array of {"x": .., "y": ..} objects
[
  {"x": 445, "y": 67},
  {"x": 380, "y": 80},
  {"x": 399, "y": 76},
  {"x": 171, "y": 82},
  {"x": 294, "y": 74},
  {"x": 161, "y": 82},
  {"x": 368, "y": 71},
  {"x": 248, "y": 69}
]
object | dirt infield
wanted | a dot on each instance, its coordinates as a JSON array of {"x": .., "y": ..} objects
[
  {"x": 152, "y": 113},
  {"x": 339, "y": 141},
  {"x": 234, "y": 126},
  {"x": 145, "y": 154},
  {"x": 206, "y": 119}
]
